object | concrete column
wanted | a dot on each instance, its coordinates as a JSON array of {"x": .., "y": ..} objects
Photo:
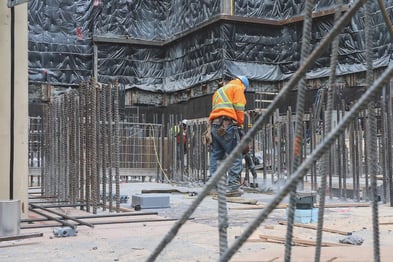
[{"x": 20, "y": 134}]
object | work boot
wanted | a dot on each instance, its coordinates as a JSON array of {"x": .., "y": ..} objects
[{"x": 234, "y": 192}]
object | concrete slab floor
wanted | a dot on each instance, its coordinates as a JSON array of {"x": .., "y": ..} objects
[{"x": 198, "y": 239}]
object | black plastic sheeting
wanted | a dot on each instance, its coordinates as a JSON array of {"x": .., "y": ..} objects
[
  {"x": 278, "y": 9},
  {"x": 60, "y": 42},
  {"x": 153, "y": 20}
]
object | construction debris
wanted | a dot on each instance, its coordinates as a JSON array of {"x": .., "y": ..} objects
[
  {"x": 353, "y": 240},
  {"x": 65, "y": 232}
]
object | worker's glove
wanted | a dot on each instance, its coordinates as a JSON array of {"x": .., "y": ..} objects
[
  {"x": 221, "y": 131},
  {"x": 207, "y": 135}
]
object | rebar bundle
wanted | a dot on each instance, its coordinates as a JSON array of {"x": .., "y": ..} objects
[{"x": 78, "y": 151}]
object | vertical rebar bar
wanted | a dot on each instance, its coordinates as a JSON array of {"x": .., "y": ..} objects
[
  {"x": 99, "y": 142},
  {"x": 390, "y": 142},
  {"x": 313, "y": 123},
  {"x": 104, "y": 139},
  {"x": 60, "y": 147},
  {"x": 329, "y": 112},
  {"x": 222, "y": 215},
  {"x": 298, "y": 140},
  {"x": 340, "y": 155},
  {"x": 110, "y": 146},
  {"x": 345, "y": 158},
  {"x": 88, "y": 146},
  {"x": 384, "y": 142},
  {"x": 93, "y": 148},
  {"x": 116, "y": 145},
  {"x": 46, "y": 164},
  {"x": 279, "y": 148},
  {"x": 82, "y": 142},
  {"x": 66, "y": 151},
  {"x": 372, "y": 132},
  {"x": 289, "y": 141},
  {"x": 72, "y": 148},
  {"x": 359, "y": 154}
]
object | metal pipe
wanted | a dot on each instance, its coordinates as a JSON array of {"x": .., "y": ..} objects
[
  {"x": 64, "y": 223},
  {"x": 12, "y": 107},
  {"x": 23, "y": 236},
  {"x": 58, "y": 206},
  {"x": 63, "y": 215},
  {"x": 94, "y": 216},
  {"x": 115, "y": 222}
]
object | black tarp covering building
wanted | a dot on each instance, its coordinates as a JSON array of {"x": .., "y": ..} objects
[{"x": 172, "y": 45}]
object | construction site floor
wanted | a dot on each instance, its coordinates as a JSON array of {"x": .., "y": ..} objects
[{"x": 198, "y": 238}]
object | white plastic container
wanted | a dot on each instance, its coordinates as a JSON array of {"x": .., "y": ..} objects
[{"x": 9, "y": 218}]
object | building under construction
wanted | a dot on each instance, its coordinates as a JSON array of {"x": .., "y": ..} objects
[{"x": 106, "y": 82}]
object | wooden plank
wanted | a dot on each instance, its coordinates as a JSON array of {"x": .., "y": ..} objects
[
  {"x": 277, "y": 240},
  {"x": 258, "y": 206},
  {"x": 122, "y": 209},
  {"x": 343, "y": 205},
  {"x": 332, "y": 205},
  {"x": 240, "y": 200},
  {"x": 385, "y": 223},
  {"x": 330, "y": 230},
  {"x": 301, "y": 242}
]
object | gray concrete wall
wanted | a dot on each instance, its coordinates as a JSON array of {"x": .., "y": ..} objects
[{"x": 21, "y": 104}]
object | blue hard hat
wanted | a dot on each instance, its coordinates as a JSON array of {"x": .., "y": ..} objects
[{"x": 244, "y": 80}]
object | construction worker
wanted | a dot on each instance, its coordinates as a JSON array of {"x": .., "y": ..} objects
[
  {"x": 225, "y": 120},
  {"x": 180, "y": 131}
]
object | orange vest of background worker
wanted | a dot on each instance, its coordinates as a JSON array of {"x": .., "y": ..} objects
[
  {"x": 229, "y": 101},
  {"x": 226, "y": 118}
]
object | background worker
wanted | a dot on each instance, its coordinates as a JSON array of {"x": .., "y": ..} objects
[
  {"x": 226, "y": 118},
  {"x": 180, "y": 131}
]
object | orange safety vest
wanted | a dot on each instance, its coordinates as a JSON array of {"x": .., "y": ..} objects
[{"x": 230, "y": 101}]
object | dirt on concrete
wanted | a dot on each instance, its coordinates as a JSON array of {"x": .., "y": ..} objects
[{"x": 134, "y": 237}]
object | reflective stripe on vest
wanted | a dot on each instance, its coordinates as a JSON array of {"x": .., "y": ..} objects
[{"x": 226, "y": 103}]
